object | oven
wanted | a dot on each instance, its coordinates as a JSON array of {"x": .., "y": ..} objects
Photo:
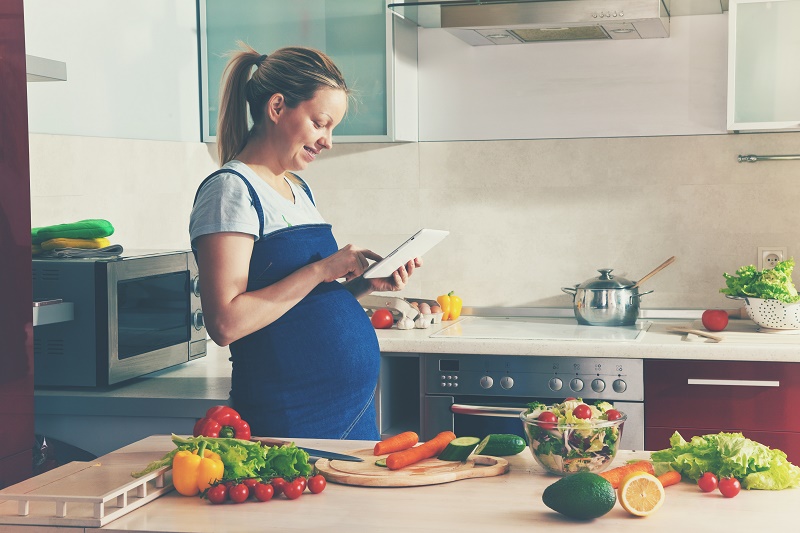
[{"x": 477, "y": 395}]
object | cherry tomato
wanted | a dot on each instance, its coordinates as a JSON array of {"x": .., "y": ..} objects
[
  {"x": 613, "y": 414},
  {"x": 714, "y": 319},
  {"x": 263, "y": 492},
  {"x": 707, "y": 482},
  {"x": 317, "y": 484},
  {"x": 250, "y": 482},
  {"x": 582, "y": 411},
  {"x": 547, "y": 420},
  {"x": 217, "y": 493},
  {"x": 278, "y": 483},
  {"x": 294, "y": 489},
  {"x": 382, "y": 319},
  {"x": 570, "y": 398},
  {"x": 239, "y": 493},
  {"x": 729, "y": 486},
  {"x": 303, "y": 482}
]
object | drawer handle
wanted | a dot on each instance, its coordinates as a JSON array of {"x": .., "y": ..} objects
[
  {"x": 483, "y": 410},
  {"x": 734, "y": 382}
]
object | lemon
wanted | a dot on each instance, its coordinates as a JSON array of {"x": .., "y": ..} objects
[{"x": 641, "y": 494}]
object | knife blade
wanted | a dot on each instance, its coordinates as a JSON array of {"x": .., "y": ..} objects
[{"x": 313, "y": 452}]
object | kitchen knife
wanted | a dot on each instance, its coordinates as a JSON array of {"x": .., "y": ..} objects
[{"x": 310, "y": 451}]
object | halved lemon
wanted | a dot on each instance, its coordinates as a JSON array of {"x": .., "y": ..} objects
[{"x": 641, "y": 494}]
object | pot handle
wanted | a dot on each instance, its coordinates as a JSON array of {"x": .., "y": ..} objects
[
  {"x": 570, "y": 290},
  {"x": 642, "y": 294}
]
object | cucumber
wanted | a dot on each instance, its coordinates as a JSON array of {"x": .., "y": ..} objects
[
  {"x": 499, "y": 444},
  {"x": 381, "y": 462},
  {"x": 459, "y": 449}
]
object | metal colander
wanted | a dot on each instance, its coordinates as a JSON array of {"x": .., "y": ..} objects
[{"x": 773, "y": 314}]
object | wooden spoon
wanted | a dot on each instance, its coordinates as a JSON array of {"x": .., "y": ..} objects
[
  {"x": 698, "y": 332},
  {"x": 655, "y": 271}
]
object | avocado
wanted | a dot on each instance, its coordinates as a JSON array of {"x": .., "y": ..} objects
[{"x": 582, "y": 496}]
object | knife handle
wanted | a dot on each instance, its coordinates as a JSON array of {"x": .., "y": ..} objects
[{"x": 270, "y": 442}]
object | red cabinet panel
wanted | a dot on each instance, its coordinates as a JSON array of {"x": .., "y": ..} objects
[
  {"x": 16, "y": 330},
  {"x": 759, "y": 399}
]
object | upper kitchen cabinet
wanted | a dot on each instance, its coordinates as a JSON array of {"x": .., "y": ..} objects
[
  {"x": 763, "y": 78},
  {"x": 376, "y": 52}
]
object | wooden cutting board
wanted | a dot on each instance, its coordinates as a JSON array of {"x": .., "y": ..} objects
[{"x": 426, "y": 472}]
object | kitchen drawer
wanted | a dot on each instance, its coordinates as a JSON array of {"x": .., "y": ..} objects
[
  {"x": 755, "y": 396},
  {"x": 16, "y": 468},
  {"x": 657, "y": 438}
]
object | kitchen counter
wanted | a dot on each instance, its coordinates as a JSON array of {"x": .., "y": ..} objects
[{"x": 510, "y": 503}]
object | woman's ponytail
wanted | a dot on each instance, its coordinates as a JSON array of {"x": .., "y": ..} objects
[{"x": 232, "y": 126}]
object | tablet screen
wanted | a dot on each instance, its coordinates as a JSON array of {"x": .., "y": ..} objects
[{"x": 415, "y": 246}]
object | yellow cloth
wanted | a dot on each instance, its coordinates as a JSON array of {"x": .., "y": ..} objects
[
  {"x": 53, "y": 244},
  {"x": 36, "y": 249}
]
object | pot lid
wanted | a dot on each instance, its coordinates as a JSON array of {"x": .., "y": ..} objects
[{"x": 606, "y": 281}]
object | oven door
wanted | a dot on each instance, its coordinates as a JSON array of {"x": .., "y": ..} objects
[
  {"x": 149, "y": 314},
  {"x": 478, "y": 416}
]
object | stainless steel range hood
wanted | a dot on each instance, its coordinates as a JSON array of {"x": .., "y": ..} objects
[{"x": 485, "y": 22}]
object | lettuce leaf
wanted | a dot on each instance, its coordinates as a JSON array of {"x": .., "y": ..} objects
[
  {"x": 775, "y": 283},
  {"x": 730, "y": 454}
]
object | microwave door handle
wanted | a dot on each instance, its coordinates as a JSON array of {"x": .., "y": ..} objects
[{"x": 486, "y": 410}]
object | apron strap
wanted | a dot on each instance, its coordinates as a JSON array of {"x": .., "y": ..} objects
[{"x": 253, "y": 196}]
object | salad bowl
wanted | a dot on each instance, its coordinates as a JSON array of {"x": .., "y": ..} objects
[
  {"x": 565, "y": 444},
  {"x": 773, "y": 314}
]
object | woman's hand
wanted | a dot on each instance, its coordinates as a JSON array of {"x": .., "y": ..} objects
[
  {"x": 348, "y": 263},
  {"x": 397, "y": 280}
]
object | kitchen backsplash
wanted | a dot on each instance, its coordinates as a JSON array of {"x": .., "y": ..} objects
[{"x": 526, "y": 217}]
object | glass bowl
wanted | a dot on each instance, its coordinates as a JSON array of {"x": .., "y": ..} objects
[{"x": 563, "y": 449}]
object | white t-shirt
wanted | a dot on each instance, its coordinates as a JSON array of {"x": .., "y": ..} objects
[{"x": 224, "y": 204}]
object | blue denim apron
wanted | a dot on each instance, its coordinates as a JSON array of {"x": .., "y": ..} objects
[{"x": 311, "y": 373}]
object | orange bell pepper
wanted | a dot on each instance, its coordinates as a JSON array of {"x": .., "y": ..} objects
[{"x": 194, "y": 472}]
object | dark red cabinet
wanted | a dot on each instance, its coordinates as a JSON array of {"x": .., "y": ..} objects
[
  {"x": 16, "y": 330},
  {"x": 759, "y": 399}
]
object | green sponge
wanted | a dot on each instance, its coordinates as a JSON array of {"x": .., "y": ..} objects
[{"x": 92, "y": 228}]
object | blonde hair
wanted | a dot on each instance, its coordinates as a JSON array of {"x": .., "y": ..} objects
[{"x": 295, "y": 72}]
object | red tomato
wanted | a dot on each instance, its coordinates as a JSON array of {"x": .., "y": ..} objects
[
  {"x": 382, "y": 319},
  {"x": 317, "y": 484},
  {"x": 250, "y": 482},
  {"x": 278, "y": 483},
  {"x": 707, "y": 482},
  {"x": 263, "y": 492},
  {"x": 729, "y": 486},
  {"x": 294, "y": 489},
  {"x": 303, "y": 482},
  {"x": 613, "y": 414},
  {"x": 239, "y": 493},
  {"x": 217, "y": 493},
  {"x": 582, "y": 411},
  {"x": 715, "y": 319},
  {"x": 570, "y": 398},
  {"x": 547, "y": 420}
]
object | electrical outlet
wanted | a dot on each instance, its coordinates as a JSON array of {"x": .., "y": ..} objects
[{"x": 769, "y": 256}]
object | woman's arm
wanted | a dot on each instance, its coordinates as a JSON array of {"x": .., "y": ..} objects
[{"x": 231, "y": 312}]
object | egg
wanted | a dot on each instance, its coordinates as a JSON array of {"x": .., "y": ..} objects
[{"x": 424, "y": 308}]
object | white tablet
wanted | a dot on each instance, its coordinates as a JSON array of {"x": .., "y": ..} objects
[{"x": 415, "y": 246}]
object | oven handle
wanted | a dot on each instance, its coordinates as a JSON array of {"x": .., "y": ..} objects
[{"x": 485, "y": 410}]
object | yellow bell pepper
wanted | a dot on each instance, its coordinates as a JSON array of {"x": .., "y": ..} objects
[
  {"x": 451, "y": 305},
  {"x": 193, "y": 472}
]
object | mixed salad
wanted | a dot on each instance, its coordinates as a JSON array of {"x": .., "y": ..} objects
[{"x": 573, "y": 436}]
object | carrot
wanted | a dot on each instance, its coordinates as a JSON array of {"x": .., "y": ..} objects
[
  {"x": 670, "y": 478},
  {"x": 432, "y": 448},
  {"x": 396, "y": 443},
  {"x": 616, "y": 475}
]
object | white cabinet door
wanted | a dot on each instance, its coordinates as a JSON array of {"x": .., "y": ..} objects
[
  {"x": 376, "y": 51},
  {"x": 764, "y": 65}
]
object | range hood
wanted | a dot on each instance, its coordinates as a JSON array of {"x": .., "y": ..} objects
[{"x": 486, "y": 22}]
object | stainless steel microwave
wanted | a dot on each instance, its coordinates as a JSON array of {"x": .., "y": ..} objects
[{"x": 133, "y": 314}]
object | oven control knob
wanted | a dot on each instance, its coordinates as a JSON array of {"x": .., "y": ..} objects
[
  {"x": 487, "y": 382},
  {"x": 507, "y": 382},
  {"x": 197, "y": 320},
  {"x": 619, "y": 385},
  {"x": 555, "y": 384},
  {"x": 195, "y": 285},
  {"x": 598, "y": 385},
  {"x": 576, "y": 384}
]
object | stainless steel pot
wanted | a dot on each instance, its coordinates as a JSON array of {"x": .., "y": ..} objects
[{"x": 606, "y": 300}]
